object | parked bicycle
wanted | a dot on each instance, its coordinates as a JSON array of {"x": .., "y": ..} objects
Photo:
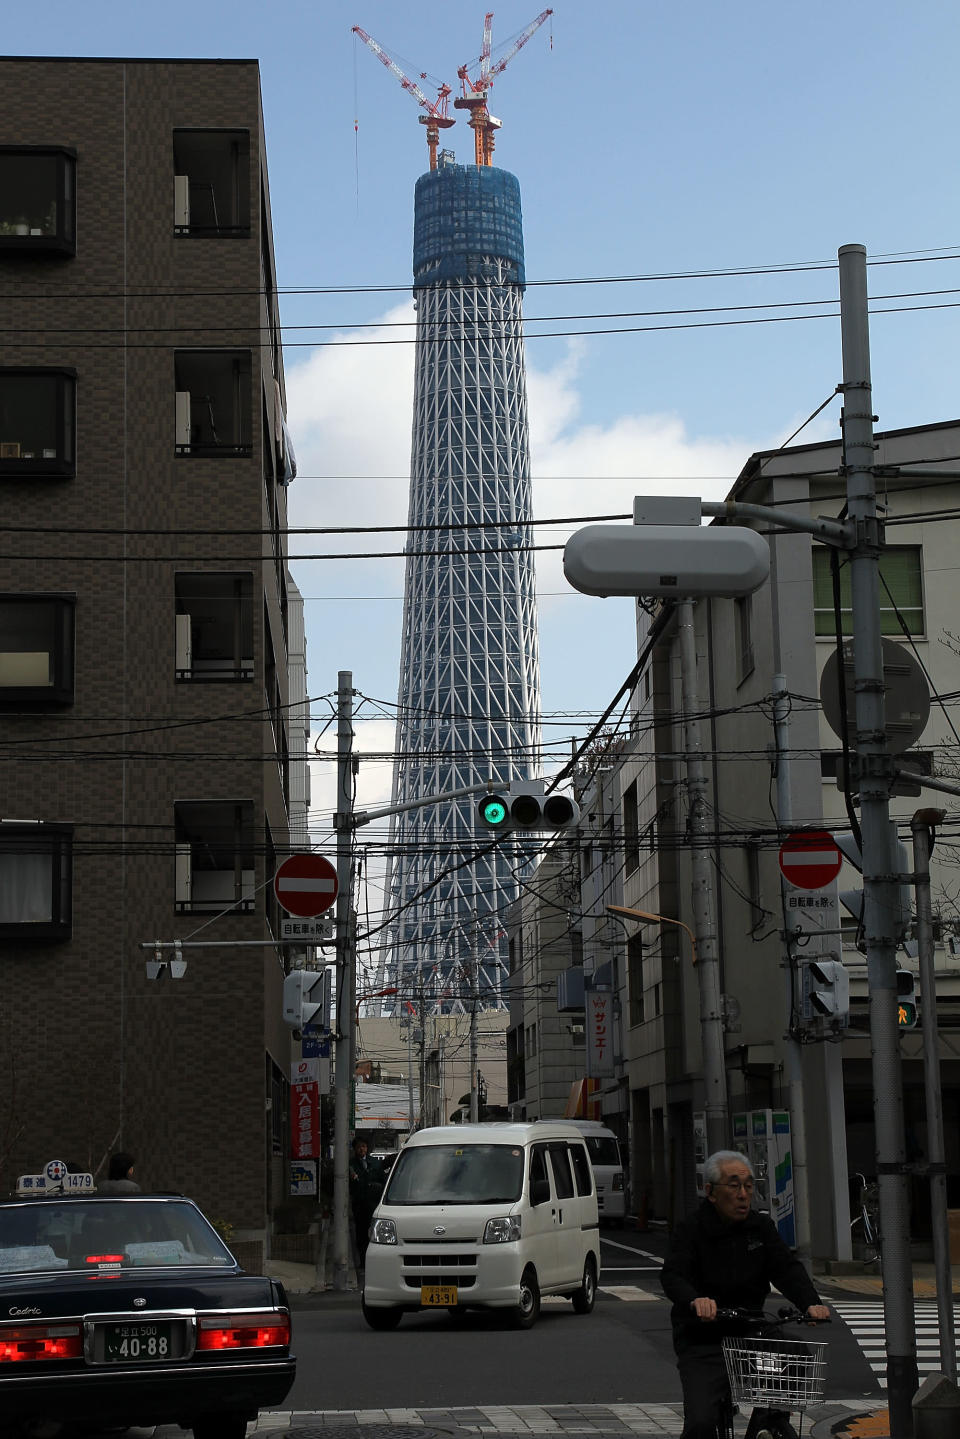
[
  {"x": 865, "y": 1225},
  {"x": 774, "y": 1375}
]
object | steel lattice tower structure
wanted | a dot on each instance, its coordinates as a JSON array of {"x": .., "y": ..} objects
[{"x": 469, "y": 695}]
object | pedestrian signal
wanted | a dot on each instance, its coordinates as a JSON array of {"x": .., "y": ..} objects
[{"x": 907, "y": 1010}]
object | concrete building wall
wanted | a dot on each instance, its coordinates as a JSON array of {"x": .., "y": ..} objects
[{"x": 177, "y": 1072}]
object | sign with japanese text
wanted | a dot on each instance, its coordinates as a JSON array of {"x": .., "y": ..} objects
[
  {"x": 599, "y": 1004},
  {"x": 303, "y": 1176},
  {"x": 305, "y": 1120},
  {"x": 305, "y": 1071}
]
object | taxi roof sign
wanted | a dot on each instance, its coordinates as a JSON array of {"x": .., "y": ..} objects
[{"x": 56, "y": 1178}]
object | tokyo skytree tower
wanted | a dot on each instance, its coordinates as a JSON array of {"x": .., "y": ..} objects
[{"x": 469, "y": 695}]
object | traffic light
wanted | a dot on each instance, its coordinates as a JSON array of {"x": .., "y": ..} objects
[
  {"x": 829, "y": 991},
  {"x": 907, "y": 1012},
  {"x": 306, "y": 994},
  {"x": 525, "y": 806}
]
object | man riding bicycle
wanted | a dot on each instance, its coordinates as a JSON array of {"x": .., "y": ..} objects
[{"x": 724, "y": 1255}]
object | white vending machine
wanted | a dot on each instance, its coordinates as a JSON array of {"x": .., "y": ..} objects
[{"x": 763, "y": 1135}]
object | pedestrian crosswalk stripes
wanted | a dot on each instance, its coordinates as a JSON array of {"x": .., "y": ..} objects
[{"x": 864, "y": 1319}]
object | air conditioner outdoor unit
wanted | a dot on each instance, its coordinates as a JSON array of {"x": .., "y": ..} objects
[
  {"x": 184, "y": 659},
  {"x": 181, "y": 202},
  {"x": 183, "y": 419},
  {"x": 183, "y": 888}
]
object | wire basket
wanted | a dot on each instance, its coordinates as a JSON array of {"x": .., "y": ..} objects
[{"x": 778, "y": 1373}]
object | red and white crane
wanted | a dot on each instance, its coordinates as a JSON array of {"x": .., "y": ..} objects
[
  {"x": 474, "y": 97},
  {"x": 436, "y": 118}
]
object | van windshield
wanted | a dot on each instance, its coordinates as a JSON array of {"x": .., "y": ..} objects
[
  {"x": 603, "y": 1150},
  {"x": 457, "y": 1174}
]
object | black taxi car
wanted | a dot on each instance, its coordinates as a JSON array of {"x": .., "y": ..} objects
[{"x": 130, "y": 1310}]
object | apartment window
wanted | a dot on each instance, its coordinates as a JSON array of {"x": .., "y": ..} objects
[
  {"x": 214, "y": 856},
  {"x": 635, "y": 978},
  {"x": 35, "y": 881},
  {"x": 900, "y": 588},
  {"x": 214, "y": 626},
  {"x": 37, "y": 423},
  {"x": 631, "y": 844},
  {"x": 211, "y": 182},
  {"x": 36, "y": 650},
  {"x": 38, "y": 199},
  {"x": 744, "y": 636},
  {"x": 212, "y": 407}
]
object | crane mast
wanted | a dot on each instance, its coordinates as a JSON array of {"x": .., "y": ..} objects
[
  {"x": 437, "y": 117},
  {"x": 474, "y": 96}
]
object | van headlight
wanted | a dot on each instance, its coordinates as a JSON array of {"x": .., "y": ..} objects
[
  {"x": 383, "y": 1231},
  {"x": 502, "y": 1231}
]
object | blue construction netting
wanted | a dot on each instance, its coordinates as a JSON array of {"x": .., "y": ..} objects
[{"x": 464, "y": 216}]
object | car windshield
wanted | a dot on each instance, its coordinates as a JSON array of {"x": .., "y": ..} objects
[
  {"x": 456, "y": 1174},
  {"x": 106, "y": 1235},
  {"x": 603, "y": 1150}
]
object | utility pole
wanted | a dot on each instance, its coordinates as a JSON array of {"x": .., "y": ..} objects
[
  {"x": 704, "y": 910},
  {"x": 798, "y": 1130},
  {"x": 474, "y": 1002},
  {"x": 343, "y": 823},
  {"x": 923, "y": 824},
  {"x": 875, "y": 770}
]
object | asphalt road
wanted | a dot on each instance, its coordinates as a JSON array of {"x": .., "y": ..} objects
[{"x": 621, "y": 1353}]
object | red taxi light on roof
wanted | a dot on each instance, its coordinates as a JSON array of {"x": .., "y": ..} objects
[
  {"x": 20, "y": 1342},
  {"x": 243, "y": 1331}
]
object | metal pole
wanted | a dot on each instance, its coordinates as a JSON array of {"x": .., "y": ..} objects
[
  {"x": 704, "y": 917},
  {"x": 346, "y": 978},
  {"x": 474, "y": 1001},
  {"x": 798, "y": 1131},
  {"x": 875, "y": 770},
  {"x": 922, "y": 825}
]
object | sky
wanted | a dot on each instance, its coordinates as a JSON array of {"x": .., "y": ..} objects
[{"x": 676, "y": 159}]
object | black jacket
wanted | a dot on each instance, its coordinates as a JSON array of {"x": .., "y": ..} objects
[{"x": 735, "y": 1264}]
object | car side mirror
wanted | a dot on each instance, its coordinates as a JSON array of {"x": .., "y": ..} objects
[{"x": 539, "y": 1191}]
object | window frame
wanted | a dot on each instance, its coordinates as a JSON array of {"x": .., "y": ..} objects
[
  {"x": 889, "y": 623},
  {"x": 62, "y": 691},
  {"x": 241, "y": 446},
  {"x": 64, "y": 241},
  {"x": 64, "y": 465},
  {"x": 244, "y": 844},
  {"x": 58, "y": 838},
  {"x": 241, "y": 179}
]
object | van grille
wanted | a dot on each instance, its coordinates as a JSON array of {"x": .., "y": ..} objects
[{"x": 439, "y": 1261}]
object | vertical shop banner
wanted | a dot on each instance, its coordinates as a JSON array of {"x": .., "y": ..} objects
[
  {"x": 599, "y": 1032},
  {"x": 305, "y": 1120}
]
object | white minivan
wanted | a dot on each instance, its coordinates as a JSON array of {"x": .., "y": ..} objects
[
  {"x": 604, "y": 1150},
  {"x": 484, "y": 1216}
]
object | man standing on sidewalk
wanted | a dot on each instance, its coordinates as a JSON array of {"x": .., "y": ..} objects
[{"x": 366, "y": 1186}]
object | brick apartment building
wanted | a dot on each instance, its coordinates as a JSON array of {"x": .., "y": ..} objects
[{"x": 144, "y": 707}]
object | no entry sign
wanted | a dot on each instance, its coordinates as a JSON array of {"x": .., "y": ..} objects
[
  {"x": 811, "y": 859},
  {"x": 306, "y": 885}
]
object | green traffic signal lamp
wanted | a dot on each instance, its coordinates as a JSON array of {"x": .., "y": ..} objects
[{"x": 494, "y": 811}]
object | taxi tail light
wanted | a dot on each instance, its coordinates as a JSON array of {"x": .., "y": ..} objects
[
  {"x": 243, "y": 1331},
  {"x": 27, "y": 1342}
]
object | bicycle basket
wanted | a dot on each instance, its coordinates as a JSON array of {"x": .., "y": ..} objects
[{"x": 778, "y": 1373}]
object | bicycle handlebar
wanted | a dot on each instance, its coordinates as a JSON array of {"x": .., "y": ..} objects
[{"x": 763, "y": 1320}]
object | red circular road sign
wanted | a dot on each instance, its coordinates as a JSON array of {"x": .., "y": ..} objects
[
  {"x": 306, "y": 885},
  {"x": 811, "y": 859}
]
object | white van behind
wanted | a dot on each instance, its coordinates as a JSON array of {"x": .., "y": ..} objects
[
  {"x": 484, "y": 1216},
  {"x": 604, "y": 1150}
]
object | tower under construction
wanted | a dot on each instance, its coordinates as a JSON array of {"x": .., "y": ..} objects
[{"x": 469, "y": 696}]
